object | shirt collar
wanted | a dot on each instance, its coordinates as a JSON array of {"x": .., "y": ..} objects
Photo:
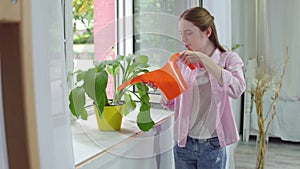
[{"x": 216, "y": 55}]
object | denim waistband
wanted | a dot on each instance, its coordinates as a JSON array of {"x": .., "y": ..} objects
[{"x": 201, "y": 140}]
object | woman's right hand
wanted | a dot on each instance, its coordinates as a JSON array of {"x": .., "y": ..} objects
[{"x": 154, "y": 86}]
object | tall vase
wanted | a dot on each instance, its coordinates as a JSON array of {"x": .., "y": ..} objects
[
  {"x": 261, "y": 138},
  {"x": 261, "y": 148}
]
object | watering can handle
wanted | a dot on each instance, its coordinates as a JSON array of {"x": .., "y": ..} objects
[{"x": 174, "y": 59}]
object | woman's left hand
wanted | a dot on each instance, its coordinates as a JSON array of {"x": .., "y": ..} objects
[
  {"x": 187, "y": 57},
  {"x": 190, "y": 57}
]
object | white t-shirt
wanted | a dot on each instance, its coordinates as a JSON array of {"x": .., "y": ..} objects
[{"x": 202, "y": 121}]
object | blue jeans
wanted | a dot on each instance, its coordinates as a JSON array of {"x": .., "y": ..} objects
[{"x": 200, "y": 154}]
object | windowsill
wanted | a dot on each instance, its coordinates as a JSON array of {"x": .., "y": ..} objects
[{"x": 90, "y": 143}]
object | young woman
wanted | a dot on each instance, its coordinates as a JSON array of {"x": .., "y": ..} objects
[{"x": 204, "y": 121}]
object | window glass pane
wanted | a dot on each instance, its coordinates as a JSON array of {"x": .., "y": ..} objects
[
  {"x": 155, "y": 29},
  {"x": 83, "y": 37}
]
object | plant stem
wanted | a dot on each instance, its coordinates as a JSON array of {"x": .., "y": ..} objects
[{"x": 135, "y": 94}]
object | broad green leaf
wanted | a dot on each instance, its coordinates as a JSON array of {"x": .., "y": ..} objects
[
  {"x": 128, "y": 59},
  {"x": 125, "y": 111},
  {"x": 89, "y": 83},
  {"x": 80, "y": 75},
  {"x": 101, "y": 80},
  {"x": 144, "y": 120},
  {"x": 101, "y": 66},
  {"x": 137, "y": 72},
  {"x": 144, "y": 65},
  {"x": 77, "y": 101},
  {"x": 72, "y": 106},
  {"x": 137, "y": 65},
  {"x": 144, "y": 98},
  {"x": 109, "y": 62},
  {"x": 100, "y": 89},
  {"x": 113, "y": 68},
  {"x": 84, "y": 114},
  {"x": 110, "y": 70},
  {"x": 141, "y": 59},
  {"x": 120, "y": 57},
  {"x": 143, "y": 92},
  {"x": 141, "y": 71},
  {"x": 116, "y": 68},
  {"x": 130, "y": 104},
  {"x": 145, "y": 106},
  {"x": 99, "y": 110}
]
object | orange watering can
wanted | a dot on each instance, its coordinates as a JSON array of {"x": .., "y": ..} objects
[{"x": 168, "y": 79}]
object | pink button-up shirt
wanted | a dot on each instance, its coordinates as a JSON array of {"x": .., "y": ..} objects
[{"x": 233, "y": 86}]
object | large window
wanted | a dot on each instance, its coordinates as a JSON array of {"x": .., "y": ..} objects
[{"x": 142, "y": 27}]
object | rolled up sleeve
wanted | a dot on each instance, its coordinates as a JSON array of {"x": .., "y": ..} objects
[{"x": 233, "y": 76}]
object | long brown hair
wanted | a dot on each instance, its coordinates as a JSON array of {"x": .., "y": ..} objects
[{"x": 201, "y": 18}]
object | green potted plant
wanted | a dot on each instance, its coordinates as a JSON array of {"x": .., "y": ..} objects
[{"x": 93, "y": 83}]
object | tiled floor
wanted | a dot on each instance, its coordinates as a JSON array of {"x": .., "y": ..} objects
[{"x": 280, "y": 155}]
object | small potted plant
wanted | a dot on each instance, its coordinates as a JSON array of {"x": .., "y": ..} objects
[{"x": 93, "y": 83}]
